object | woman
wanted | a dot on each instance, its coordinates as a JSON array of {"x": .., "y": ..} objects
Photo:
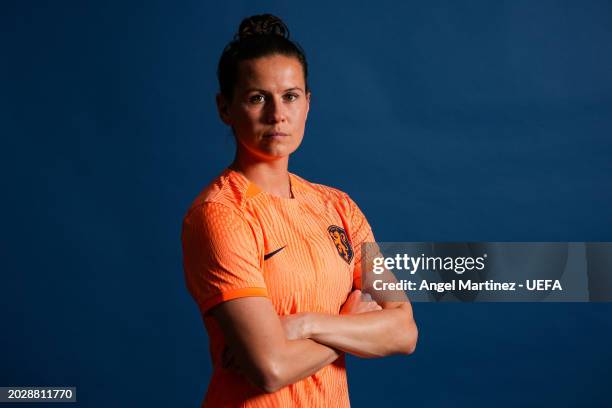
[{"x": 273, "y": 261}]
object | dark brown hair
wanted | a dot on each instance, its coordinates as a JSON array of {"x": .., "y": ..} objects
[{"x": 258, "y": 36}]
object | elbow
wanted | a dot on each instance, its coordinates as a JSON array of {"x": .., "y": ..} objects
[
  {"x": 411, "y": 336},
  {"x": 271, "y": 382},
  {"x": 268, "y": 377},
  {"x": 408, "y": 333},
  {"x": 269, "y": 371}
]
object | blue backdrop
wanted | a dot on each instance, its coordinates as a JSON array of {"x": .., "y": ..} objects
[{"x": 444, "y": 120}]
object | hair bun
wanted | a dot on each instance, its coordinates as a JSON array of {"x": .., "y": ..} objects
[{"x": 262, "y": 24}]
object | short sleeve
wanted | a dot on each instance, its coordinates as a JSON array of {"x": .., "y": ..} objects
[
  {"x": 360, "y": 233},
  {"x": 221, "y": 258}
]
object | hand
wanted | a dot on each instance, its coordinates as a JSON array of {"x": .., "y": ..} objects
[
  {"x": 354, "y": 304},
  {"x": 295, "y": 326}
]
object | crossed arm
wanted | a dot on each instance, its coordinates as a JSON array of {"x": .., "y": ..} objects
[
  {"x": 362, "y": 328},
  {"x": 272, "y": 351}
]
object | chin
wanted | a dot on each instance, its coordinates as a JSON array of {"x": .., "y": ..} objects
[{"x": 279, "y": 152}]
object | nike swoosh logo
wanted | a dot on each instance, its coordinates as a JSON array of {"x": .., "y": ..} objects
[{"x": 271, "y": 254}]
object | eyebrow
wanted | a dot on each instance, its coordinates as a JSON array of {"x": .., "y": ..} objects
[{"x": 295, "y": 88}]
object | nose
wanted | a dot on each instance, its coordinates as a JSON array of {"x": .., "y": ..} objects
[{"x": 275, "y": 111}]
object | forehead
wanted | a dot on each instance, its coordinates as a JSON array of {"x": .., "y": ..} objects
[{"x": 273, "y": 73}]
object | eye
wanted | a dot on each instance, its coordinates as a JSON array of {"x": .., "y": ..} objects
[
  {"x": 291, "y": 97},
  {"x": 258, "y": 98}
]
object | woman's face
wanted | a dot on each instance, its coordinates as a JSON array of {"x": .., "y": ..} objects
[{"x": 269, "y": 107}]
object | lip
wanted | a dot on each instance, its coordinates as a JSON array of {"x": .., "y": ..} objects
[{"x": 275, "y": 134}]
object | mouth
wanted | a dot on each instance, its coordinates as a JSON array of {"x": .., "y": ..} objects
[{"x": 275, "y": 134}]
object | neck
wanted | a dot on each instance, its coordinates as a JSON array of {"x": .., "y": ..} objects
[{"x": 270, "y": 176}]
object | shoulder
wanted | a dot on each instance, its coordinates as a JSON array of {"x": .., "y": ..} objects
[
  {"x": 331, "y": 197},
  {"x": 228, "y": 190},
  {"x": 217, "y": 217},
  {"x": 223, "y": 198},
  {"x": 323, "y": 192},
  {"x": 325, "y": 199}
]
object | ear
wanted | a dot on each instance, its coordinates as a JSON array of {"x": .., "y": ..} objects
[{"x": 223, "y": 109}]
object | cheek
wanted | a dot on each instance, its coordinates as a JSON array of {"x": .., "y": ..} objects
[
  {"x": 300, "y": 116},
  {"x": 245, "y": 120},
  {"x": 248, "y": 115}
]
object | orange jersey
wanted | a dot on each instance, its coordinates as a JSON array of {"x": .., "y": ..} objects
[{"x": 303, "y": 253}]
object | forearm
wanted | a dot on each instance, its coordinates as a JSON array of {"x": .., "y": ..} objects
[
  {"x": 371, "y": 334},
  {"x": 297, "y": 360},
  {"x": 259, "y": 349}
]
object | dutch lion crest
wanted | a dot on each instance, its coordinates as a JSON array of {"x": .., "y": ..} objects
[{"x": 340, "y": 239}]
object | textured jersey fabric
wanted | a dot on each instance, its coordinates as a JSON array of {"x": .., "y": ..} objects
[{"x": 303, "y": 253}]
